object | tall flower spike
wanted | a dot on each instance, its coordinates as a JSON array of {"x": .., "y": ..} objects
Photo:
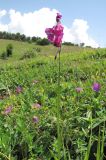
[{"x": 55, "y": 34}]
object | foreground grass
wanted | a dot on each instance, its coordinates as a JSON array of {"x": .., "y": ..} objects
[
  {"x": 20, "y": 48},
  {"x": 28, "y": 93}
]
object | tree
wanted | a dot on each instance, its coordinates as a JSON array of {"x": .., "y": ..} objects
[
  {"x": 43, "y": 42},
  {"x": 82, "y": 44},
  {"x": 34, "y": 39}
]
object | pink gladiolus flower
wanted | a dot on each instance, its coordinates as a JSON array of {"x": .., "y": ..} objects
[
  {"x": 50, "y": 34},
  {"x": 58, "y": 17},
  {"x": 55, "y": 34},
  {"x": 58, "y": 35}
]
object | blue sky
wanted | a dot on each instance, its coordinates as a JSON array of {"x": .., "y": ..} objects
[{"x": 92, "y": 11}]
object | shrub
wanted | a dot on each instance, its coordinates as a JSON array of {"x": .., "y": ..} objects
[
  {"x": 28, "y": 54},
  {"x": 9, "y": 50},
  {"x": 43, "y": 42},
  {"x": 38, "y": 50},
  {"x": 68, "y": 43},
  {"x": 4, "y": 55}
]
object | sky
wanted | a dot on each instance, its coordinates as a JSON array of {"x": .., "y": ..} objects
[{"x": 83, "y": 20}]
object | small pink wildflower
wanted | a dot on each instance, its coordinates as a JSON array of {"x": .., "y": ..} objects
[
  {"x": 19, "y": 89},
  {"x": 36, "y": 106},
  {"x": 7, "y": 110},
  {"x": 79, "y": 89}
]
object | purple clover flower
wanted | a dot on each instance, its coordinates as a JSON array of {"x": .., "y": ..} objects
[
  {"x": 36, "y": 106},
  {"x": 96, "y": 87},
  {"x": 35, "y": 119},
  {"x": 7, "y": 110},
  {"x": 19, "y": 89}
]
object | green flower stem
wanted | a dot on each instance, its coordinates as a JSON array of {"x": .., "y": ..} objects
[{"x": 58, "y": 110}]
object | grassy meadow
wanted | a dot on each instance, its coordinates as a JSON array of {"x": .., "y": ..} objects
[{"x": 47, "y": 115}]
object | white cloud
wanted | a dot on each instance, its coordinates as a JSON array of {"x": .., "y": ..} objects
[
  {"x": 77, "y": 33},
  {"x": 2, "y": 13},
  {"x": 3, "y": 27},
  {"x": 34, "y": 24}
]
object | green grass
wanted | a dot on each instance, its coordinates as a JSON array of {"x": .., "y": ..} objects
[
  {"x": 81, "y": 114},
  {"x": 19, "y": 48}
]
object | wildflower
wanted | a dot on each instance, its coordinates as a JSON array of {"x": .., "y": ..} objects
[
  {"x": 50, "y": 34},
  {"x": 7, "y": 110},
  {"x": 58, "y": 17},
  {"x": 35, "y": 119},
  {"x": 96, "y": 87},
  {"x": 79, "y": 89},
  {"x": 55, "y": 34},
  {"x": 36, "y": 106},
  {"x": 18, "y": 89}
]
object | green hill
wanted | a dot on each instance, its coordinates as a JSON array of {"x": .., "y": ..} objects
[
  {"x": 47, "y": 111},
  {"x": 22, "y": 48}
]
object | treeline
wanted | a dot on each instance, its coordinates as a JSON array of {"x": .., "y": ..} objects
[
  {"x": 74, "y": 44},
  {"x": 37, "y": 40},
  {"x": 70, "y": 44},
  {"x": 22, "y": 37}
]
